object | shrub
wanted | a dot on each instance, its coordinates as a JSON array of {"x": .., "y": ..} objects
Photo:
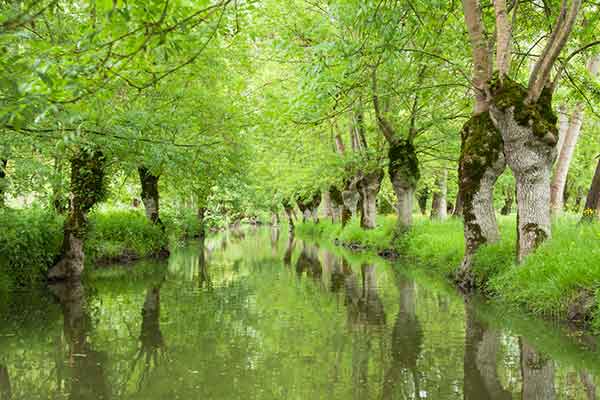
[
  {"x": 112, "y": 233},
  {"x": 30, "y": 241}
]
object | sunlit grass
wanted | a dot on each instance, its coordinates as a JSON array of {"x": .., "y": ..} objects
[{"x": 546, "y": 283}]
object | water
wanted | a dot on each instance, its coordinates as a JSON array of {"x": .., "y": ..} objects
[{"x": 256, "y": 316}]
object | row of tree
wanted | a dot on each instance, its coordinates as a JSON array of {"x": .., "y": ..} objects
[{"x": 237, "y": 107}]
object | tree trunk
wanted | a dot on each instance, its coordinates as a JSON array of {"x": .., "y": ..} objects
[
  {"x": 564, "y": 161},
  {"x": 201, "y": 221},
  {"x": 150, "y": 196},
  {"x": 5, "y": 389},
  {"x": 314, "y": 206},
  {"x": 481, "y": 163},
  {"x": 529, "y": 133},
  {"x": 508, "y": 202},
  {"x": 87, "y": 188},
  {"x": 337, "y": 203},
  {"x": 274, "y": 218},
  {"x": 369, "y": 187},
  {"x": 289, "y": 212},
  {"x": 422, "y": 198},
  {"x": 350, "y": 197},
  {"x": 537, "y": 373},
  {"x": 439, "y": 208},
  {"x": 404, "y": 175},
  {"x": 3, "y": 164},
  {"x": 481, "y": 379},
  {"x": 327, "y": 205},
  {"x": 304, "y": 209},
  {"x": 289, "y": 249},
  {"x": 458, "y": 207},
  {"x": 592, "y": 203}
]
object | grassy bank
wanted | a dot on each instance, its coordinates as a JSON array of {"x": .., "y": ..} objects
[
  {"x": 31, "y": 239},
  {"x": 560, "y": 280}
]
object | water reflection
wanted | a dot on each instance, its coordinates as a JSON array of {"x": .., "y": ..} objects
[
  {"x": 5, "y": 392},
  {"x": 85, "y": 363},
  {"x": 308, "y": 262},
  {"x": 152, "y": 344},
  {"x": 289, "y": 249},
  {"x": 480, "y": 362},
  {"x": 538, "y": 374},
  {"x": 327, "y": 327},
  {"x": 402, "y": 379},
  {"x": 204, "y": 281}
]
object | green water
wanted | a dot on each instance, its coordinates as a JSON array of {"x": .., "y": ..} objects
[{"x": 255, "y": 315}]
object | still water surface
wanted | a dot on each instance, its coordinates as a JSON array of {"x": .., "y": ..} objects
[{"x": 257, "y": 315}]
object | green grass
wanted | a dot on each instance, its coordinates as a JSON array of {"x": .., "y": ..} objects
[
  {"x": 31, "y": 239},
  {"x": 29, "y": 242},
  {"x": 114, "y": 232},
  {"x": 546, "y": 284}
]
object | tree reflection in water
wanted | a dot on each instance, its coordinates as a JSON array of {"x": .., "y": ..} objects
[
  {"x": 309, "y": 262},
  {"x": 204, "y": 281},
  {"x": 86, "y": 365},
  {"x": 537, "y": 373},
  {"x": 289, "y": 249},
  {"x": 402, "y": 376},
  {"x": 5, "y": 391},
  {"x": 152, "y": 349},
  {"x": 481, "y": 380}
]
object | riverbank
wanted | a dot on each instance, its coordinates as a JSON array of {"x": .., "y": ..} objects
[
  {"x": 31, "y": 240},
  {"x": 560, "y": 281}
]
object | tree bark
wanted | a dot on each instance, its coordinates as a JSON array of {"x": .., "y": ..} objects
[
  {"x": 369, "y": 187},
  {"x": 337, "y": 203},
  {"x": 201, "y": 221},
  {"x": 481, "y": 163},
  {"x": 537, "y": 373},
  {"x": 439, "y": 208},
  {"x": 350, "y": 197},
  {"x": 87, "y": 188},
  {"x": 289, "y": 212},
  {"x": 150, "y": 195},
  {"x": 404, "y": 175},
  {"x": 529, "y": 134},
  {"x": 314, "y": 206},
  {"x": 592, "y": 203},
  {"x": 458, "y": 207},
  {"x": 564, "y": 161},
  {"x": 566, "y": 147},
  {"x": 480, "y": 53},
  {"x": 3, "y": 164},
  {"x": 274, "y": 218}
]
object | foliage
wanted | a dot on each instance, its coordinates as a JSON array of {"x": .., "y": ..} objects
[
  {"x": 30, "y": 241},
  {"x": 114, "y": 233}
]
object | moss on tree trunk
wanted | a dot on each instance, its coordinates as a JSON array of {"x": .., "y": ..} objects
[
  {"x": 481, "y": 163},
  {"x": 404, "y": 175},
  {"x": 87, "y": 189},
  {"x": 530, "y": 135}
]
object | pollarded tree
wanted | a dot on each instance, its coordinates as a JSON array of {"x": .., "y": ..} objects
[{"x": 522, "y": 115}]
